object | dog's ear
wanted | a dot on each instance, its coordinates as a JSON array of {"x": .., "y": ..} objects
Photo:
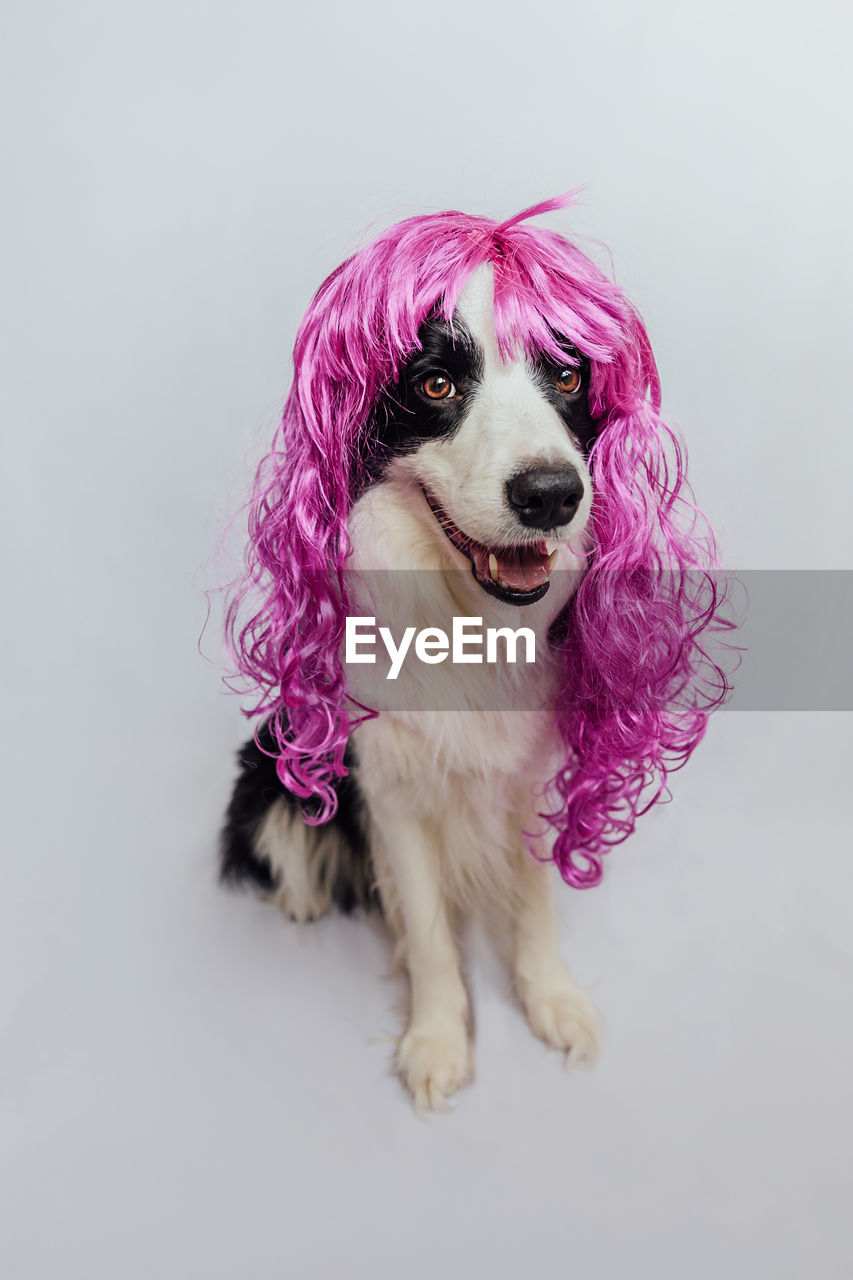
[{"x": 639, "y": 676}]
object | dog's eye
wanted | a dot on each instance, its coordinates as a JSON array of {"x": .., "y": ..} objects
[
  {"x": 438, "y": 387},
  {"x": 568, "y": 379}
]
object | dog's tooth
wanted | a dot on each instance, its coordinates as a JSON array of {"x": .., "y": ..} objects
[
  {"x": 552, "y": 560},
  {"x": 493, "y": 566}
]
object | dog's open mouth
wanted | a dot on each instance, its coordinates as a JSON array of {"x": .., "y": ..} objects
[{"x": 516, "y": 575}]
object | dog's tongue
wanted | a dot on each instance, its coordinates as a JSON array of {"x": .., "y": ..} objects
[{"x": 519, "y": 568}]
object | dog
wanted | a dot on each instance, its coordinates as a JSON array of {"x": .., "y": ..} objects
[{"x": 473, "y": 433}]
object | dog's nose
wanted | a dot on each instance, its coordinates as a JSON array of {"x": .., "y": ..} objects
[{"x": 545, "y": 497}]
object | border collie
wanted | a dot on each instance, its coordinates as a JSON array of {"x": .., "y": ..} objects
[{"x": 473, "y": 432}]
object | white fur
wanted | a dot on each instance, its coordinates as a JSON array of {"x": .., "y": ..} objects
[
  {"x": 286, "y": 842},
  {"x": 451, "y": 791}
]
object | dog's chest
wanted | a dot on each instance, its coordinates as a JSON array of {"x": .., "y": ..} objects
[{"x": 436, "y": 755}]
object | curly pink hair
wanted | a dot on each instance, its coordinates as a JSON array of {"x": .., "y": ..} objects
[{"x": 638, "y": 679}]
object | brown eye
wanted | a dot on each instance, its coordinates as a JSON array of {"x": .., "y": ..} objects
[
  {"x": 438, "y": 386},
  {"x": 568, "y": 379}
]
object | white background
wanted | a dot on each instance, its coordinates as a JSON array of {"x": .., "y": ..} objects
[{"x": 188, "y": 1085}]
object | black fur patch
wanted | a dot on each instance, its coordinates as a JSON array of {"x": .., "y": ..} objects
[
  {"x": 256, "y": 789},
  {"x": 405, "y": 416},
  {"x": 574, "y": 407}
]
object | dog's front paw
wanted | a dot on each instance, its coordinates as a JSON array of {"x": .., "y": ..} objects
[
  {"x": 434, "y": 1061},
  {"x": 565, "y": 1018}
]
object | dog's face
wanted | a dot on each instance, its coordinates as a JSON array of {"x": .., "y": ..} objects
[{"x": 498, "y": 447}]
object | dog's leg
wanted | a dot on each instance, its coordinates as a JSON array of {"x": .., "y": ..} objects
[
  {"x": 433, "y": 1056},
  {"x": 557, "y": 1009}
]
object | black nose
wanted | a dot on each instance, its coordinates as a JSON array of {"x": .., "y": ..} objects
[{"x": 546, "y": 496}]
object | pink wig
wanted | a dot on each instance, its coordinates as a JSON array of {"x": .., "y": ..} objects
[{"x": 638, "y": 681}]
